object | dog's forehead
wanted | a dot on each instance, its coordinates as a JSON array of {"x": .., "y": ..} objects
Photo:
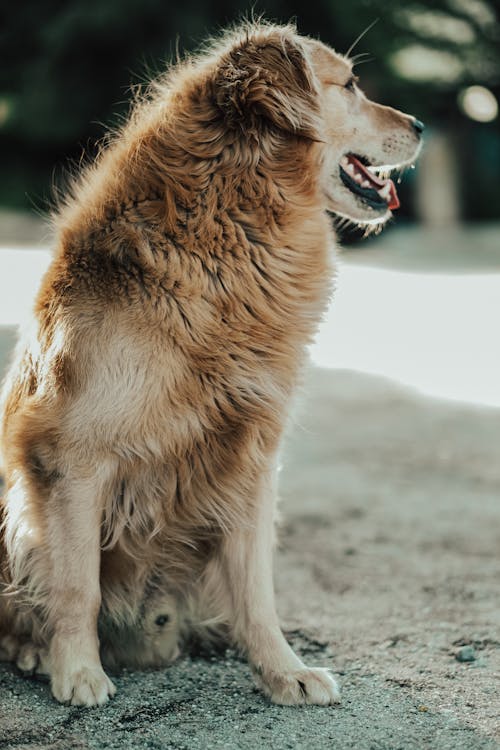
[{"x": 329, "y": 65}]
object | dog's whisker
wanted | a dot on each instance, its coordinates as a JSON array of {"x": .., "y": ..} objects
[
  {"x": 361, "y": 62},
  {"x": 358, "y": 56},
  {"x": 360, "y": 36}
]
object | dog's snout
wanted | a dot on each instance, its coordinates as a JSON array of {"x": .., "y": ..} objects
[{"x": 418, "y": 126}]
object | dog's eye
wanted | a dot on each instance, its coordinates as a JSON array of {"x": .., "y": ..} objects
[
  {"x": 351, "y": 83},
  {"x": 162, "y": 620}
]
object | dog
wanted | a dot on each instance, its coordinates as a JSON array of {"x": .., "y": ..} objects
[{"x": 142, "y": 415}]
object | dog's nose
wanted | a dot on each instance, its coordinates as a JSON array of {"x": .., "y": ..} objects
[{"x": 418, "y": 125}]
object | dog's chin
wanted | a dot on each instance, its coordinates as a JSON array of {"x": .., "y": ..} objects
[{"x": 346, "y": 205}]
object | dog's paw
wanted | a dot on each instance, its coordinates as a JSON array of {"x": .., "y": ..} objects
[
  {"x": 88, "y": 686},
  {"x": 33, "y": 659},
  {"x": 311, "y": 686}
]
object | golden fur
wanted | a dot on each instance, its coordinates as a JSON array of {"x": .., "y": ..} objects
[{"x": 143, "y": 413}]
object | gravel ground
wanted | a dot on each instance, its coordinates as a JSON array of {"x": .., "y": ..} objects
[
  {"x": 388, "y": 567},
  {"x": 200, "y": 704},
  {"x": 388, "y": 571}
]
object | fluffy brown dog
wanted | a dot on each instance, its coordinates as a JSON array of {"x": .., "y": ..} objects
[{"x": 142, "y": 417}]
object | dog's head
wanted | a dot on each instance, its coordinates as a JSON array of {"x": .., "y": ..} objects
[
  {"x": 365, "y": 141},
  {"x": 273, "y": 81}
]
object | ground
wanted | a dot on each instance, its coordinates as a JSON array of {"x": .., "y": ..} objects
[{"x": 388, "y": 569}]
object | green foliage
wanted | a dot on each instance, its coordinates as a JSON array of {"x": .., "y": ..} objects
[{"x": 70, "y": 65}]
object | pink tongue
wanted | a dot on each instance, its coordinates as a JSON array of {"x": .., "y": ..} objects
[{"x": 377, "y": 182}]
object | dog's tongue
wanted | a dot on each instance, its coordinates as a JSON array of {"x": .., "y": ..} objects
[{"x": 378, "y": 184}]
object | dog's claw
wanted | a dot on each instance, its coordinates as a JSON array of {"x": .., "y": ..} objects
[
  {"x": 87, "y": 687},
  {"x": 306, "y": 686}
]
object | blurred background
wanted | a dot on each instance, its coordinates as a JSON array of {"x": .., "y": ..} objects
[
  {"x": 68, "y": 66},
  {"x": 391, "y": 479}
]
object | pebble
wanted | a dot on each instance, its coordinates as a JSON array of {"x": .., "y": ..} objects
[{"x": 466, "y": 653}]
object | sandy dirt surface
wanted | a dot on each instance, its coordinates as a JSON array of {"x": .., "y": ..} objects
[{"x": 388, "y": 571}]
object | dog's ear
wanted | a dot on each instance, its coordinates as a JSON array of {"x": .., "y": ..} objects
[{"x": 268, "y": 79}]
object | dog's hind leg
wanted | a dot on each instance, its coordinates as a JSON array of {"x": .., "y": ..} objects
[
  {"x": 247, "y": 568},
  {"x": 21, "y": 640}
]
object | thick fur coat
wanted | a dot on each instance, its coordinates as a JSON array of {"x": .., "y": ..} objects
[{"x": 144, "y": 411}]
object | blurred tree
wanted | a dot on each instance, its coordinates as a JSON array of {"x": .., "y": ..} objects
[{"x": 67, "y": 67}]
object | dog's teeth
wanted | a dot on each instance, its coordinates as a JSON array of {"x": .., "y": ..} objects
[
  {"x": 358, "y": 178},
  {"x": 350, "y": 169},
  {"x": 344, "y": 161},
  {"x": 365, "y": 184},
  {"x": 385, "y": 191}
]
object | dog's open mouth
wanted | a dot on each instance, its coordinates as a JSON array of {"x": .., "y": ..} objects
[{"x": 378, "y": 193}]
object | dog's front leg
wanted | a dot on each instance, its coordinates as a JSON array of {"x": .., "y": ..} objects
[
  {"x": 73, "y": 536},
  {"x": 247, "y": 567}
]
